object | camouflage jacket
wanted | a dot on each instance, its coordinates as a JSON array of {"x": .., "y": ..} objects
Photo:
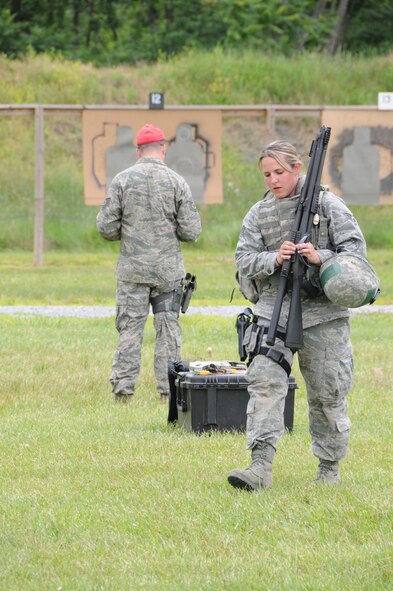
[
  {"x": 266, "y": 226},
  {"x": 149, "y": 208}
]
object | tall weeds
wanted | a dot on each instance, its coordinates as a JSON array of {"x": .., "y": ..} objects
[{"x": 215, "y": 77}]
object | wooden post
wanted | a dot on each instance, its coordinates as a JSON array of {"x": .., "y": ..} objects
[
  {"x": 271, "y": 120},
  {"x": 39, "y": 186}
]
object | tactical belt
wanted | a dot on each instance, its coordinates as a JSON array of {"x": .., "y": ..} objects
[
  {"x": 271, "y": 353},
  {"x": 277, "y": 357}
]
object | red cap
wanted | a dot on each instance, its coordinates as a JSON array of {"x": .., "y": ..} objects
[{"x": 149, "y": 134}]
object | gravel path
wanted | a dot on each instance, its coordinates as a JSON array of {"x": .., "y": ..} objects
[{"x": 107, "y": 311}]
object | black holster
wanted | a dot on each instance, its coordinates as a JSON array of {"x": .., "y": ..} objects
[
  {"x": 251, "y": 329},
  {"x": 168, "y": 302}
]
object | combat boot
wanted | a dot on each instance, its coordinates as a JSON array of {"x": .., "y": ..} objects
[
  {"x": 259, "y": 474},
  {"x": 328, "y": 471}
]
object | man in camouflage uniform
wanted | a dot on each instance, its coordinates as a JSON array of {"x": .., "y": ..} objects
[
  {"x": 326, "y": 361},
  {"x": 149, "y": 208}
]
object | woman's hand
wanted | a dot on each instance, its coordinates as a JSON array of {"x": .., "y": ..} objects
[
  {"x": 306, "y": 249},
  {"x": 287, "y": 249}
]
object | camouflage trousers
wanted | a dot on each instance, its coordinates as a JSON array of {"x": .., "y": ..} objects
[
  {"x": 326, "y": 364},
  {"x": 132, "y": 309}
]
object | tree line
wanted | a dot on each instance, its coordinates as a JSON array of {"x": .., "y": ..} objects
[{"x": 111, "y": 32}]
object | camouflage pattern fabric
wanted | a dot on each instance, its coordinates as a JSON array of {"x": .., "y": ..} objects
[
  {"x": 132, "y": 309},
  {"x": 326, "y": 360},
  {"x": 349, "y": 280},
  {"x": 149, "y": 208},
  {"x": 326, "y": 364},
  {"x": 266, "y": 226}
]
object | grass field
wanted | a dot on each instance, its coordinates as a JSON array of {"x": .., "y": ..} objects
[
  {"x": 97, "y": 496},
  {"x": 88, "y": 278},
  {"x": 196, "y": 78}
]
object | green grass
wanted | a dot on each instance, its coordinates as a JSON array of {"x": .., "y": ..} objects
[
  {"x": 96, "y": 496},
  {"x": 208, "y": 78},
  {"x": 201, "y": 77},
  {"x": 88, "y": 278},
  {"x": 99, "y": 496}
]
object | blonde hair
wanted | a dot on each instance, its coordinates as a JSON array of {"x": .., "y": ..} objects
[{"x": 283, "y": 152}]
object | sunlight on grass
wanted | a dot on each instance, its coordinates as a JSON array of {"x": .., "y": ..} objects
[
  {"x": 97, "y": 495},
  {"x": 89, "y": 279}
]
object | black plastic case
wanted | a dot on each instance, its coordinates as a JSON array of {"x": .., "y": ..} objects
[{"x": 219, "y": 401}]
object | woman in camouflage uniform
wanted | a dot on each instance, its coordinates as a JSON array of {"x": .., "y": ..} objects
[{"x": 325, "y": 361}]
